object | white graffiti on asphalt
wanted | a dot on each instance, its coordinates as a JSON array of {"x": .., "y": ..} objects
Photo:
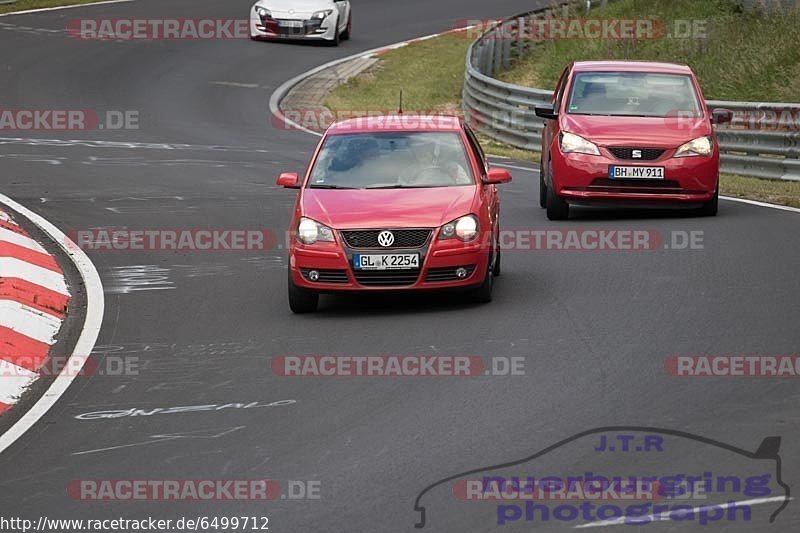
[{"x": 135, "y": 411}]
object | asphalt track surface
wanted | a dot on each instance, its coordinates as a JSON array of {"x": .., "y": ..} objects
[{"x": 593, "y": 328}]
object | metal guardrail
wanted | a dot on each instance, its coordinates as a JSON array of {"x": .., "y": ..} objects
[{"x": 505, "y": 112}]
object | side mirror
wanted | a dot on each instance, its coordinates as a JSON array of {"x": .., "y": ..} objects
[
  {"x": 545, "y": 111},
  {"x": 721, "y": 116},
  {"x": 290, "y": 180},
  {"x": 497, "y": 175}
]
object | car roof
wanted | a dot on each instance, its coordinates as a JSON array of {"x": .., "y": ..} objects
[
  {"x": 631, "y": 66},
  {"x": 396, "y": 122}
]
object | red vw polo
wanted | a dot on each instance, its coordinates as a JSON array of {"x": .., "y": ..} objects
[
  {"x": 628, "y": 133},
  {"x": 394, "y": 203}
]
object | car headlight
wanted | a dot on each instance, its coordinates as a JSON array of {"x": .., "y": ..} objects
[
  {"x": 319, "y": 15},
  {"x": 574, "y": 144},
  {"x": 464, "y": 228},
  {"x": 310, "y": 231},
  {"x": 700, "y": 146},
  {"x": 263, "y": 13}
]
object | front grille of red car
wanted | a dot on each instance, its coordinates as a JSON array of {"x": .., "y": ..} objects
[
  {"x": 648, "y": 154},
  {"x": 386, "y": 278},
  {"x": 403, "y": 238},
  {"x": 448, "y": 273},
  {"x": 633, "y": 186}
]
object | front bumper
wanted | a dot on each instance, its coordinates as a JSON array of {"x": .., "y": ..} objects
[
  {"x": 276, "y": 28},
  {"x": 439, "y": 261},
  {"x": 581, "y": 178}
]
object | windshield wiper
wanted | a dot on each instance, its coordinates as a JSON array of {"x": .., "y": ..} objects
[
  {"x": 323, "y": 186},
  {"x": 407, "y": 186}
]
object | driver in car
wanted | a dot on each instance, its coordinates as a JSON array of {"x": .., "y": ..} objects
[{"x": 431, "y": 167}]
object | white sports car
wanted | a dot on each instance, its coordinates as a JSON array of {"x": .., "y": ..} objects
[{"x": 327, "y": 20}]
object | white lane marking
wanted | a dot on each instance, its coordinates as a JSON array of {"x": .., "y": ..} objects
[
  {"x": 516, "y": 167},
  {"x": 4, "y": 217},
  {"x": 134, "y": 278},
  {"x": 95, "y": 143},
  {"x": 13, "y": 381},
  {"x": 11, "y": 267},
  {"x": 93, "y": 320},
  {"x": 236, "y": 84},
  {"x": 147, "y": 411},
  {"x": 20, "y": 240},
  {"x": 660, "y": 516},
  {"x": 64, "y": 7},
  {"x": 761, "y": 204},
  {"x": 28, "y": 321},
  {"x": 171, "y": 436}
]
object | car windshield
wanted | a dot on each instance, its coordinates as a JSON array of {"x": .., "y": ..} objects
[
  {"x": 639, "y": 94},
  {"x": 391, "y": 160}
]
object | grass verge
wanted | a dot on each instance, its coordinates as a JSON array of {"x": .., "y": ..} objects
[
  {"x": 772, "y": 191},
  {"x": 23, "y": 5},
  {"x": 736, "y": 55}
]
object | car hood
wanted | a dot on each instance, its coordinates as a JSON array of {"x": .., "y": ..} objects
[
  {"x": 299, "y": 6},
  {"x": 387, "y": 208},
  {"x": 669, "y": 132}
]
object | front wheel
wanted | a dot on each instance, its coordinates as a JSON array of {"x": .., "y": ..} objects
[
  {"x": 300, "y": 300},
  {"x": 483, "y": 294},
  {"x": 542, "y": 187},
  {"x": 336, "y": 36},
  {"x": 557, "y": 207},
  {"x": 348, "y": 30},
  {"x": 709, "y": 208}
]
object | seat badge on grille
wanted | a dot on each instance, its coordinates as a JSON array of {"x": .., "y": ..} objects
[
  {"x": 636, "y": 154},
  {"x": 386, "y": 238}
]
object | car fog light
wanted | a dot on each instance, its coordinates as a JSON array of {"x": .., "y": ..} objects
[
  {"x": 461, "y": 273},
  {"x": 313, "y": 275}
]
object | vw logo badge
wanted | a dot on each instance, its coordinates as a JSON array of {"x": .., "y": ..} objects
[{"x": 386, "y": 238}]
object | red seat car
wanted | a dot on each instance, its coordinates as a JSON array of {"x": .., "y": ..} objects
[
  {"x": 394, "y": 203},
  {"x": 628, "y": 133}
]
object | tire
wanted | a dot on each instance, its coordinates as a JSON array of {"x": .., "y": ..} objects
[
  {"x": 496, "y": 270},
  {"x": 709, "y": 208},
  {"x": 336, "y": 36},
  {"x": 542, "y": 188},
  {"x": 557, "y": 208},
  {"x": 300, "y": 300},
  {"x": 348, "y": 30},
  {"x": 483, "y": 294}
]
